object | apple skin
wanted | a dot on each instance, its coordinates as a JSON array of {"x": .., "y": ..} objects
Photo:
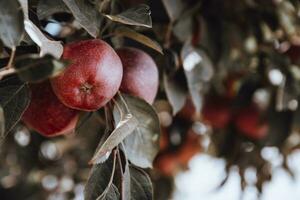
[
  {"x": 216, "y": 111},
  {"x": 189, "y": 148},
  {"x": 294, "y": 54},
  {"x": 93, "y": 77},
  {"x": 249, "y": 123},
  {"x": 167, "y": 164},
  {"x": 46, "y": 114},
  {"x": 140, "y": 77}
]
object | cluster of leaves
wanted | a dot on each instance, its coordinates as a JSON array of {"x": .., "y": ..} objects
[
  {"x": 202, "y": 43},
  {"x": 132, "y": 126}
]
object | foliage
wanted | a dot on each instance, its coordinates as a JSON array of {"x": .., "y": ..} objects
[{"x": 205, "y": 50}]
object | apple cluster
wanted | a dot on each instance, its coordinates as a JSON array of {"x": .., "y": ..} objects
[{"x": 95, "y": 74}]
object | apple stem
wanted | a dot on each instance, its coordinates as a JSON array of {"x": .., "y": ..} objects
[{"x": 86, "y": 87}]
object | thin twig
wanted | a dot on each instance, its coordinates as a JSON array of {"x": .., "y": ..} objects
[
  {"x": 124, "y": 102},
  {"x": 122, "y": 172},
  {"x": 119, "y": 108},
  {"x": 7, "y": 71},
  {"x": 11, "y": 59}
]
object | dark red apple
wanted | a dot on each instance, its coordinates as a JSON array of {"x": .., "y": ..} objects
[
  {"x": 140, "y": 76},
  {"x": 93, "y": 77},
  {"x": 294, "y": 54},
  {"x": 216, "y": 112},
  {"x": 248, "y": 121},
  {"x": 46, "y": 114}
]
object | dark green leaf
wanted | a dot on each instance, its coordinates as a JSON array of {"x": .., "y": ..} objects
[
  {"x": 112, "y": 194},
  {"x": 11, "y": 23},
  {"x": 198, "y": 70},
  {"x": 175, "y": 90},
  {"x": 14, "y": 100},
  {"x": 2, "y": 122},
  {"x": 129, "y": 33},
  {"x": 142, "y": 145},
  {"x": 87, "y": 16},
  {"x": 47, "y": 8},
  {"x": 32, "y": 68},
  {"x": 137, "y": 16},
  {"x": 123, "y": 129},
  {"x": 141, "y": 185},
  {"x": 97, "y": 186},
  {"x": 83, "y": 118}
]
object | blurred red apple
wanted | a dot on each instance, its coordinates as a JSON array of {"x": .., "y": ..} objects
[
  {"x": 216, "y": 112},
  {"x": 249, "y": 122}
]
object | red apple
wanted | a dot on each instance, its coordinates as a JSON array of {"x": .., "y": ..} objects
[
  {"x": 140, "y": 76},
  {"x": 189, "y": 148},
  {"x": 166, "y": 164},
  {"x": 294, "y": 54},
  {"x": 46, "y": 114},
  {"x": 249, "y": 123},
  {"x": 216, "y": 112},
  {"x": 164, "y": 139},
  {"x": 93, "y": 77},
  {"x": 188, "y": 112}
]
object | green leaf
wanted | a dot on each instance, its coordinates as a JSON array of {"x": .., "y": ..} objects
[
  {"x": 2, "y": 122},
  {"x": 124, "y": 128},
  {"x": 11, "y": 23},
  {"x": 174, "y": 8},
  {"x": 112, "y": 194},
  {"x": 174, "y": 83},
  {"x": 175, "y": 90},
  {"x": 47, "y": 8},
  {"x": 14, "y": 100},
  {"x": 32, "y": 68},
  {"x": 129, "y": 33},
  {"x": 87, "y": 15},
  {"x": 142, "y": 145},
  {"x": 198, "y": 70},
  {"x": 137, "y": 16},
  {"x": 141, "y": 185},
  {"x": 99, "y": 185},
  {"x": 47, "y": 46},
  {"x": 183, "y": 29}
]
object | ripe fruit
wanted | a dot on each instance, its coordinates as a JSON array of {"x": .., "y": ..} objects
[
  {"x": 93, "y": 77},
  {"x": 167, "y": 164},
  {"x": 189, "y": 148},
  {"x": 171, "y": 160},
  {"x": 216, "y": 111},
  {"x": 46, "y": 114},
  {"x": 140, "y": 76},
  {"x": 163, "y": 140},
  {"x": 294, "y": 54},
  {"x": 249, "y": 123},
  {"x": 188, "y": 112}
]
